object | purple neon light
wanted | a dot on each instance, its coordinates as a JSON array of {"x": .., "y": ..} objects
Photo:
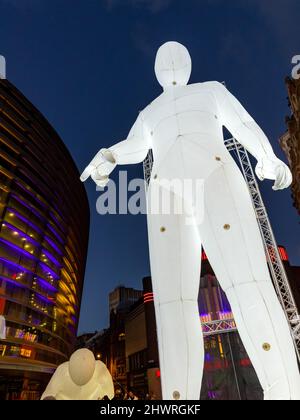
[
  {"x": 208, "y": 357},
  {"x": 36, "y": 213},
  {"x": 17, "y": 266},
  {"x": 45, "y": 283},
  {"x": 55, "y": 233},
  {"x": 32, "y": 195},
  {"x": 53, "y": 259},
  {"x": 53, "y": 245},
  {"x": 46, "y": 268},
  {"x": 33, "y": 210},
  {"x": 30, "y": 256},
  {"x": 212, "y": 395},
  {"x": 57, "y": 209},
  {"x": 57, "y": 221},
  {"x": 29, "y": 238},
  {"x": 38, "y": 230},
  {"x": 24, "y": 219},
  {"x": 18, "y": 249},
  {"x": 16, "y": 283},
  {"x": 222, "y": 315},
  {"x": 44, "y": 298},
  {"x": 225, "y": 304}
]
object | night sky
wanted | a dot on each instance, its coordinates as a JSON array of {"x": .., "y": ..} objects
[{"x": 87, "y": 65}]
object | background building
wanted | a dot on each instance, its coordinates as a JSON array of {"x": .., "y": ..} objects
[
  {"x": 129, "y": 346},
  {"x": 142, "y": 362},
  {"x": 293, "y": 274},
  {"x": 120, "y": 302},
  {"x": 43, "y": 245},
  {"x": 122, "y": 298},
  {"x": 290, "y": 141},
  {"x": 228, "y": 372}
]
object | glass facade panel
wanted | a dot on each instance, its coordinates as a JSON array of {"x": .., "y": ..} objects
[
  {"x": 228, "y": 372},
  {"x": 42, "y": 233}
]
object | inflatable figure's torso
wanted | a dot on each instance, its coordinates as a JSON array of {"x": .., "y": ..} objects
[{"x": 187, "y": 113}]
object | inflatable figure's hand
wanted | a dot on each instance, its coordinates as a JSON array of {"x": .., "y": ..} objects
[
  {"x": 275, "y": 169},
  {"x": 100, "y": 168}
]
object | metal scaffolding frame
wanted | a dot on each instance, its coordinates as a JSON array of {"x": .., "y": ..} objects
[
  {"x": 218, "y": 327},
  {"x": 278, "y": 273},
  {"x": 148, "y": 164},
  {"x": 276, "y": 267}
]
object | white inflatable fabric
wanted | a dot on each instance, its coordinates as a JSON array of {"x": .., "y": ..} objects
[
  {"x": 184, "y": 128},
  {"x": 2, "y": 328},
  {"x": 82, "y": 378}
]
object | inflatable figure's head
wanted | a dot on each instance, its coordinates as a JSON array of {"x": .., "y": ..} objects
[
  {"x": 173, "y": 65},
  {"x": 82, "y": 366}
]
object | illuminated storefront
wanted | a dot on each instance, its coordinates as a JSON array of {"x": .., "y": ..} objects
[
  {"x": 43, "y": 244},
  {"x": 228, "y": 372}
]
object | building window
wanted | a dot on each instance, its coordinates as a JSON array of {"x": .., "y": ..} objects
[{"x": 138, "y": 360}]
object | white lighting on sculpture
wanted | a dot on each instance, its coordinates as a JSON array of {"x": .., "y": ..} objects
[
  {"x": 184, "y": 129},
  {"x": 82, "y": 378}
]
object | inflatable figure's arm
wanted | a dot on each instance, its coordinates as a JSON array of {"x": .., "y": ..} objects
[
  {"x": 132, "y": 150},
  {"x": 243, "y": 127},
  {"x": 105, "y": 381},
  {"x": 56, "y": 384},
  {"x": 135, "y": 148}
]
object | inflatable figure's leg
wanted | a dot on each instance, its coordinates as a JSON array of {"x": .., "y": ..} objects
[
  {"x": 233, "y": 244},
  {"x": 175, "y": 256}
]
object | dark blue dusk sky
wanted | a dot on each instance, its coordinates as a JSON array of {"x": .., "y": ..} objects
[{"x": 88, "y": 66}]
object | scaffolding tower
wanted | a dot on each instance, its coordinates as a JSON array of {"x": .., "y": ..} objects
[{"x": 276, "y": 267}]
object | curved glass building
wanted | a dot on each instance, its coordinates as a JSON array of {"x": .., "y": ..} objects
[{"x": 43, "y": 244}]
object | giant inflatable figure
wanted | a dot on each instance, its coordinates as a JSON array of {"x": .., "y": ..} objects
[
  {"x": 82, "y": 378},
  {"x": 183, "y": 127}
]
